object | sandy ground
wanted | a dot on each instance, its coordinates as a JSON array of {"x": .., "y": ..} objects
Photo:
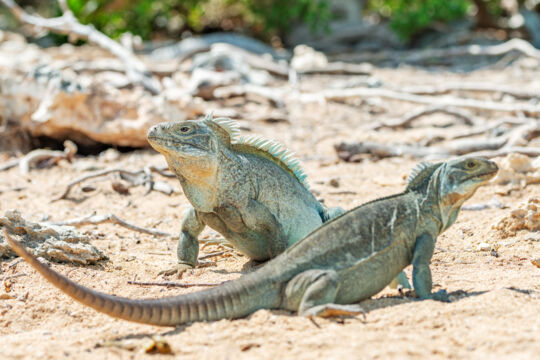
[{"x": 495, "y": 307}]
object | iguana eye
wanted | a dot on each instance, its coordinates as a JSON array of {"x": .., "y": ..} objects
[
  {"x": 184, "y": 129},
  {"x": 470, "y": 164}
]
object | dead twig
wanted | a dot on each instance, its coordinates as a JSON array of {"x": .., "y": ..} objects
[
  {"x": 39, "y": 155},
  {"x": 340, "y": 67},
  {"x": 14, "y": 276},
  {"x": 275, "y": 95},
  {"x": 94, "y": 219},
  {"x": 420, "y": 56},
  {"x": 407, "y": 119},
  {"x": 440, "y": 101},
  {"x": 529, "y": 151},
  {"x": 489, "y": 147},
  {"x": 170, "y": 284},
  {"x": 67, "y": 24},
  {"x": 10, "y": 164},
  {"x": 141, "y": 177},
  {"x": 91, "y": 176},
  {"x": 473, "y": 87},
  {"x": 211, "y": 255}
]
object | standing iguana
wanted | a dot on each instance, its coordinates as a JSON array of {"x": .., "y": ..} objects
[
  {"x": 250, "y": 190},
  {"x": 346, "y": 260}
]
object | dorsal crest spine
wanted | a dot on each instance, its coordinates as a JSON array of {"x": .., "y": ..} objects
[
  {"x": 420, "y": 174},
  {"x": 276, "y": 151},
  {"x": 279, "y": 153},
  {"x": 229, "y": 126}
]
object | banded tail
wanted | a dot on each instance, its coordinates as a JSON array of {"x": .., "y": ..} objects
[{"x": 234, "y": 299}]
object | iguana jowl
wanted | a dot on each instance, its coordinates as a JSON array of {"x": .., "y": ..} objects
[
  {"x": 348, "y": 259},
  {"x": 250, "y": 190}
]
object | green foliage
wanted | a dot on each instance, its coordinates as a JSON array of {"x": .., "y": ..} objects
[
  {"x": 140, "y": 17},
  {"x": 276, "y": 16},
  {"x": 143, "y": 17},
  {"x": 409, "y": 17}
]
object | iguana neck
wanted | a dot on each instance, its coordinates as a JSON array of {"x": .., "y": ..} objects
[
  {"x": 203, "y": 184},
  {"x": 431, "y": 202}
]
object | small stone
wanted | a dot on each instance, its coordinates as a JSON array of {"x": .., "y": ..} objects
[{"x": 484, "y": 247}]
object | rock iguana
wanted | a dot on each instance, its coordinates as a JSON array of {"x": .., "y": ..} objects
[
  {"x": 346, "y": 260},
  {"x": 250, "y": 190}
]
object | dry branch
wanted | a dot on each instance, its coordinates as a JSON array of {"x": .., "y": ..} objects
[
  {"x": 94, "y": 219},
  {"x": 489, "y": 147},
  {"x": 473, "y": 87},
  {"x": 140, "y": 177},
  {"x": 420, "y": 56},
  {"x": 344, "y": 94},
  {"x": 170, "y": 284},
  {"x": 34, "y": 156},
  {"x": 67, "y": 24},
  {"x": 407, "y": 119}
]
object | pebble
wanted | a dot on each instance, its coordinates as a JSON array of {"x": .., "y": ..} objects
[{"x": 484, "y": 246}]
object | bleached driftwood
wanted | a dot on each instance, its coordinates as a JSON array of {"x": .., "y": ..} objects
[
  {"x": 426, "y": 55},
  {"x": 67, "y": 24}
]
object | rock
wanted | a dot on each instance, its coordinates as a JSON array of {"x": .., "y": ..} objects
[
  {"x": 55, "y": 243},
  {"x": 525, "y": 217}
]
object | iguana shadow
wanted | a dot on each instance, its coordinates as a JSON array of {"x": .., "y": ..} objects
[
  {"x": 368, "y": 306},
  {"x": 387, "y": 301}
]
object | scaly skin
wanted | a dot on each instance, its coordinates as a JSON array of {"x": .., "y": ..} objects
[
  {"x": 348, "y": 259},
  {"x": 246, "y": 194}
]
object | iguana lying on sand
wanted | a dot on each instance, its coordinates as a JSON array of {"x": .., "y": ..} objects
[
  {"x": 348, "y": 259},
  {"x": 250, "y": 190}
]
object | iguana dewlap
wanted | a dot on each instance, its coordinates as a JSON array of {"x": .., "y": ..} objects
[
  {"x": 346, "y": 260},
  {"x": 250, "y": 190}
]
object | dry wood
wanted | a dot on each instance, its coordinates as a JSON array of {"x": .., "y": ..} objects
[
  {"x": 94, "y": 219},
  {"x": 275, "y": 95},
  {"x": 139, "y": 177},
  {"x": 529, "y": 151},
  {"x": 473, "y": 87},
  {"x": 427, "y": 55},
  {"x": 67, "y": 24},
  {"x": 170, "y": 284},
  {"x": 340, "y": 67},
  {"x": 34, "y": 156},
  {"x": 407, "y": 119},
  {"x": 446, "y": 101},
  {"x": 489, "y": 147}
]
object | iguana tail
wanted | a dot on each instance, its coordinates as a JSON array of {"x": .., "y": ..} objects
[
  {"x": 330, "y": 213},
  {"x": 231, "y": 300}
]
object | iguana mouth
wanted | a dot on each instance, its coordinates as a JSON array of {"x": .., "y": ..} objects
[
  {"x": 172, "y": 142},
  {"x": 482, "y": 176}
]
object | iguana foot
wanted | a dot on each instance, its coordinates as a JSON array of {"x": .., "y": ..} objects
[
  {"x": 400, "y": 280},
  {"x": 335, "y": 310},
  {"x": 179, "y": 270},
  {"x": 440, "y": 295}
]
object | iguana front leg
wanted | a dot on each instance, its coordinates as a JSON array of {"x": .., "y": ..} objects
[
  {"x": 188, "y": 244},
  {"x": 423, "y": 251}
]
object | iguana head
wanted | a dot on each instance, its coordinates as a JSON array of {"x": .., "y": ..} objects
[
  {"x": 191, "y": 147},
  {"x": 458, "y": 180}
]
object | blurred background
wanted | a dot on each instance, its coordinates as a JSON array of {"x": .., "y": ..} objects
[{"x": 286, "y": 23}]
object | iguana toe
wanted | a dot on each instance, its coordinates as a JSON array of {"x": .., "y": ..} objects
[
  {"x": 179, "y": 270},
  {"x": 335, "y": 310}
]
